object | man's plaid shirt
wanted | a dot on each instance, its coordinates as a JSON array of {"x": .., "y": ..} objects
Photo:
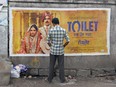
[{"x": 56, "y": 36}]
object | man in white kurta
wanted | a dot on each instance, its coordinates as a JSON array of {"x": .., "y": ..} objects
[{"x": 46, "y": 18}]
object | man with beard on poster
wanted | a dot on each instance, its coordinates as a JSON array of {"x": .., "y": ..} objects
[
  {"x": 45, "y": 48},
  {"x": 46, "y": 19}
]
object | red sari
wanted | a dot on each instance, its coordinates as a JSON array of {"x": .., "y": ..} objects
[{"x": 31, "y": 45}]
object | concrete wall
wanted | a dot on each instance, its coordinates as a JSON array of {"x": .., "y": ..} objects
[
  {"x": 5, "y": 64},
  {"x": 80, "y": 63}
]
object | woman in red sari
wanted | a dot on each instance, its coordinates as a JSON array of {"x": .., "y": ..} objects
[{"x": 30, "y": 44}]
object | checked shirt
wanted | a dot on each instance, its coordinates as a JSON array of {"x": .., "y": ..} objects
[{"x": 56, "y": 37}]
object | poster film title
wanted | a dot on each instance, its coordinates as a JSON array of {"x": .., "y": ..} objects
[{"x": 83, "y": 29}]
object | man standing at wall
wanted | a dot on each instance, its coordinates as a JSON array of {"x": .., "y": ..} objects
[{"x": 55, "y": 40}]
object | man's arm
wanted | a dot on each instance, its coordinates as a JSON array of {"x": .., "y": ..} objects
[
  {"x": 67, "y": 39},
  {"x": 66, "y": 44}
]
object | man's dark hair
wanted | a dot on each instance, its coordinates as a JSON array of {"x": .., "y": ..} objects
[
  {"x": 33, "y": 25},
  {"x": 55, "y": 21}
]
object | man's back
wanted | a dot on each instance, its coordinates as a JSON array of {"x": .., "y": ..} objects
[{"x": 57, "y": 35}]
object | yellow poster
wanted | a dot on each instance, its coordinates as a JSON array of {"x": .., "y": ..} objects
[{"x": 88, "y": 29}]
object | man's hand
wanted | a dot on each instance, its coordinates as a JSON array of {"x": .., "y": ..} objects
[{"x": 49, "y": 44}]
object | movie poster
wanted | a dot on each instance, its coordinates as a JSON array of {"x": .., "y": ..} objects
[{"x": 88, "y": 29}]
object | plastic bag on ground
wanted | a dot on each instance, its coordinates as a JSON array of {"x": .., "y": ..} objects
[
  {"x": 17, "y": 70},
  {"x": 15, "y": 73}
]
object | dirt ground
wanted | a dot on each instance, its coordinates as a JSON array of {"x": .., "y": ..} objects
[{"x": 107, "y": 81}]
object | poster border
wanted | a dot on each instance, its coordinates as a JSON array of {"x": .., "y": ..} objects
[{"x": 72, "y": 54}]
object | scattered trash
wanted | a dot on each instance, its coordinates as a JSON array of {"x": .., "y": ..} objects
[
  {"x": 17, "y": 70},
  {"x": 29, "y": 77},
  {"x": 25, "y": 77},
  {"x": 70, "y": 80},
  {"x": 15, "y": 73},
  {"x": 70, "y": 77}
]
